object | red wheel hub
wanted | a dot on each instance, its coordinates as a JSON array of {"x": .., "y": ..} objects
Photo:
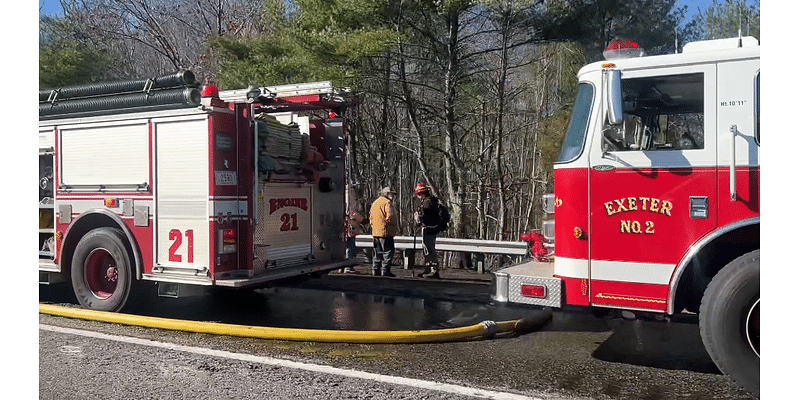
[
  {"x": 101, "y": 273},
  {"x": 112, "y": 274}
]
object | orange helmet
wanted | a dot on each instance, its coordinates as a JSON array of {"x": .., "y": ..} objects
[{"x": 421, "y": 188}]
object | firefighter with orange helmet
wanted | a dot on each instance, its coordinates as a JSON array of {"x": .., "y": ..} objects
[{"x": 427, "y": 216}]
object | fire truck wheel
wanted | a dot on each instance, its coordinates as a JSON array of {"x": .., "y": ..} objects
[
  {"x": 101, "y": 270},
  {"x": 730, "y": 315}
]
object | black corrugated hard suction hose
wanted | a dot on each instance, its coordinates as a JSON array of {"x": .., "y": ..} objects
[
  {"x": 188, "y": 97},
  {"x": 180, "y": 79}
]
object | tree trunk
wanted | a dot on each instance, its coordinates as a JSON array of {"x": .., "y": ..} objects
[
  {"x": 501, "y": 86},
  {"x": 455, "y": 173}
]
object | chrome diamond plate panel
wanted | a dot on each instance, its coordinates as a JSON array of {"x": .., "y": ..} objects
[
  {"x": 508, "y": 283},
  {"x": 553, "y": 293}
]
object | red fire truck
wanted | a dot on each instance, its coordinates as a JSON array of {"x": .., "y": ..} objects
[
  {"x": 165, "y": 181},
  {"x": 656, "y": 197}
]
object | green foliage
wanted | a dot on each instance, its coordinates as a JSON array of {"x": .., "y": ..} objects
[
  {"x": 342, "y": 15},
  {"x": 269, "y": 60},
  {"x": 593, "y": 23},
  {"x": 69, "y": 63},
  {"x": 67, "y": 57},
  {"x": 353, "y": 46},
  {"x": 316, "y": 40}
]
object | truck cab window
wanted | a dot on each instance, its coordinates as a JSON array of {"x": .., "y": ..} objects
[
  {"x": 575, "y": 138},
  {"x": 660, "y": 113}
]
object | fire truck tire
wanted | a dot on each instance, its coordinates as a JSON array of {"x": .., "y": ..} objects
[
  {"x": 730, "y": 321},
  {"x": 101, "y": 270}
]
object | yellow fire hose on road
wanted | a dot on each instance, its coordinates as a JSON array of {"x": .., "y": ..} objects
[{"x": 486, "y": 329}]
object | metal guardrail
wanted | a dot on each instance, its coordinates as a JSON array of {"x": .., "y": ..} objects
[
  {"x": 407, "y": 246},
  {"x": 453, "y": 244}
]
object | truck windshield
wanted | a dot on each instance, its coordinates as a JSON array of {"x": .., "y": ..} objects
[{"x": 576, "y": 133}]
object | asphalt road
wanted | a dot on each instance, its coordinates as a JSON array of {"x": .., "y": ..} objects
[{"x": 574, "y": 356}]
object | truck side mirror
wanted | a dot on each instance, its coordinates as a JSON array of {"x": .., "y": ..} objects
[{"x": 613, "y": 96}]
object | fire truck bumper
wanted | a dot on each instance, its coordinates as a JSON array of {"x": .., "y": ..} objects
[
  {"x": 531, "y": 283},
  {"x": 274, "y": 275}
]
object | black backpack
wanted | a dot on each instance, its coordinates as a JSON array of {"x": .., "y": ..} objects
[{"x": 444, "y": 218}]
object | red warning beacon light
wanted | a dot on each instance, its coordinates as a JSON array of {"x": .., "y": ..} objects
[
  {"x": 209, "y": 90},
  {"x": 209, "y": 95},
  {"x": 622, "y": 48}
]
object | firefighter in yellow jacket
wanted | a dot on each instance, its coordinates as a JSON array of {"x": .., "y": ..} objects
[{"x": 384, "y": 227}]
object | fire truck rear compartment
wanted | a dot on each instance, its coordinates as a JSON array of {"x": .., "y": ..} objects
[{"x": 297, "y": 204}]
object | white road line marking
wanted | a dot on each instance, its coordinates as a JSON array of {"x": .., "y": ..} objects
[{"x": 349, "y": 373}]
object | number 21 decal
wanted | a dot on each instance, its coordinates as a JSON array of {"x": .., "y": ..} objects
[
  {"x": 177, "y": 239},
  {"x": 289, "y": 222}
]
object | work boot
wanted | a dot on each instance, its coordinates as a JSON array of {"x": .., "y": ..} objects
[
  {"x": 376, "y": 270},
  {"x": 387, "y": 273},
  {"x": 433, "y": 273},
  {"x": 426, "y": 270}
]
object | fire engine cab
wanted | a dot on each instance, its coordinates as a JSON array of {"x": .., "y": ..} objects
[
  {"x": 656, "y": 196},
  {"x": 165, "y": 181}
]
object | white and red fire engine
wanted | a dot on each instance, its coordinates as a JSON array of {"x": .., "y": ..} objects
[
  {"x": 656, "y": 196},
  {"x": 153, "y": 180}
]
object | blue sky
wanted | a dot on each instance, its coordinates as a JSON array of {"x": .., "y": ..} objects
[
  {"x": 694, "y": 4},
  {"x": 49, "y": 7}
]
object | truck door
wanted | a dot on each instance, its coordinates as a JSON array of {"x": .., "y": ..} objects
[
  {"x": 738, "y": 118},
  {"x": 283, "y": 236},
  {"x": 652, "y": 185}
]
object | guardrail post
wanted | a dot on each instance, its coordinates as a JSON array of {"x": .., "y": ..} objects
[
  {"x": 369, "y": 253},
  {"x": 409, "y": 258},
  {"x": 480, "y": 262}
]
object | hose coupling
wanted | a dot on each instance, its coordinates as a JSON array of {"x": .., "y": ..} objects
[{"x": 489, "y": 329}]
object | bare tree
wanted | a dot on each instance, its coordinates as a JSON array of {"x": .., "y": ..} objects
[{"x": 152, "y": 37}]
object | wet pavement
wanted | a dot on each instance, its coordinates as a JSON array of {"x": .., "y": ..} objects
[
  {"x": 461, "y": 298},
  {"x": 337, "y": 301},
  {"x": 575, "y": 355}
]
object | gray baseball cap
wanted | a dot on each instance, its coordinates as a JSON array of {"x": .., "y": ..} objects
[{"x": 387, "y": 190}]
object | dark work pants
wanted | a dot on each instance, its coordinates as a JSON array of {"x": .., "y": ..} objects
[{"x": 429, "y": 245}]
